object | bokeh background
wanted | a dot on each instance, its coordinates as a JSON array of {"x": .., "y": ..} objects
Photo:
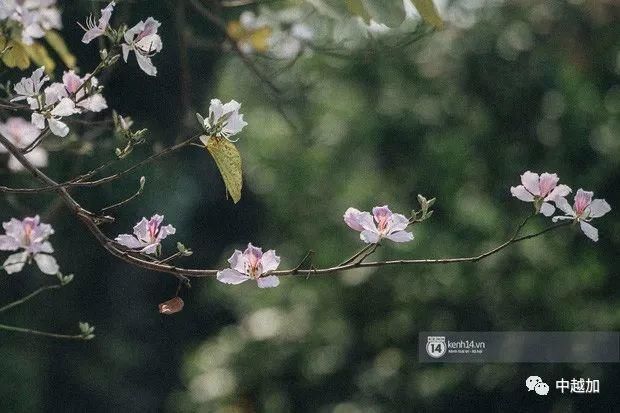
[{"x": 459, "y": 115}]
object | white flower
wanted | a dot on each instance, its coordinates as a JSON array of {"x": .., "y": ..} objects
[
  {"x": 22, "y": 133},
  {"x": 224, "y": 119},
  {"x": 386, "y": 224},
  {"x": 540, "y": 190},
  {"x": 252, "y": 264},
  {"x": 145, "y": 42},
  {"x": 147, "y": 235},
  {"x": 583, "y": 211},
  {"x": 31, "y": 236},
  {"x": 33, "y": 17},
  {"x": 65, "y": 107},
  {"x": 29, "y": 88},
  {"x": 95, "y": 30}
]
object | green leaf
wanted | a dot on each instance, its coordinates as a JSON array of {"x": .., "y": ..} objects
[
  {"x": 228, "y": 161},
  {"x": 60, "y": 47},
  {"x": 15, "y": 54},
  {"x": 388, "y": 12},
  {"x": 429, "y": 13}
]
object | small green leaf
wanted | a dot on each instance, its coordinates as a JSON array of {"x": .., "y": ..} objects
[
  {"x": 429, "y": 13},
  {"x": 228, "y": 161}
]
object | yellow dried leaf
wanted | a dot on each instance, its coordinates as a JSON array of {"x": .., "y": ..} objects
[
  {"x": 15, "y": 54},
  {"x": 257, "y": 38},
  {"x": 40, "y": 56},
  {"x": 60, "y": 47},
  {"x": 228, "y": 161},
  {"x": 429, "y": 13}
]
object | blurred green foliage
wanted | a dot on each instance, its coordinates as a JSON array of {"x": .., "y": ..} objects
[{"x": 458, "y": 115}]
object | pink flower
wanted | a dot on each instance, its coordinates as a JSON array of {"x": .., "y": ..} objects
[
  {"x": 22, "y": 133},
  {"x": 540, "y": 190},
  {"x": 251, "y": 264},
  {"x": 386, "y": 224},
  {"x": 147, "y": 235},
  {"x": 583, "y": 211},
  {"x": 145, "y": 42},
  {"x": 95, "y": 30},
  {"x": 31, "y": 236},
  {"x": 71, "y": 87}
]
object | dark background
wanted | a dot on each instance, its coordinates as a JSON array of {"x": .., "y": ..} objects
[{"x": 458, "y": 115}]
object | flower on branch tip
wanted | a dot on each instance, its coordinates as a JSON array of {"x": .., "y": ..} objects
[
  {"x": 540, "y": 190},
  {"x": 224, "y": 119},
  {"x": 383, "y": 223},
  {"x": 86, "y": 97},
  {"x": 94, "y": 30},
  {"x": 145, "y": 42},
  {"x": 147, "y": 235},
  {"x": 174, "y": 305},
  {"x": 583, "y": 210},
  {"x": 30, "y": 235},
  {"x": 251, "y": 264},
  {"x": 22, "y": 133}
]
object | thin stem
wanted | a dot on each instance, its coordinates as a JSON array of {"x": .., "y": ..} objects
[
  {"x": 125, "y": 201},
  {"x": 43, "y": 333},
  {"x": 29, "y": 296}
]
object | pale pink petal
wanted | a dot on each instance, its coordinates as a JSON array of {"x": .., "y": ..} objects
[
  {"x": 370, "y": 237},
  {"x": 530, "y": 181},
  {"x": 547, "y": 209},
  {"x": 58, "y": 128},
  {"x": 397, "y": 222},
  {"x": 8, "y": 243},
  {"x": 547, "y": 183},
  {"x": 126, "y": 49},
  {"x": 582, "y": 200},
  {"x": 47, "y": 264},
  {"x": 129, "y": 241},
  {"x": 66, "y": 107},
  {"x": 150, "y": 248},
  {"x": 230, "y": 276},
  {"x": 598, "y": 208},
  {"x": 381, "y": 213},
  {"x": 141, "y": 229},
  {"x": 562, "y": 218},
  {"x": 38, "y": 120},
  {"x": 521, "y": 193},
  {"x": 46, "y": 247},
  {"x": 563, "y": 204},
  {"x": 94, "y": 103},
  {"x": 270, "y": 261},
  {"x": 146, "y": 64},
  {"x": 351, "y": 218},
  {"x": 15, "y": 262},
  {"x": 92, "y": 34},
  {"x": 237, "y": 261},
  {"x": 589, "y": 230},
  {"x": 401, "y": 236},
  {"x": 166, "y": 230},
  {"x": 268, "y": 282},
  {"x": 559, "y": 191}
]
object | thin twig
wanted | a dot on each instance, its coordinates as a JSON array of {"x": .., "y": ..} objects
[
  {"x": 43, "y": 333},
  {"x": 29, "y": 296}
]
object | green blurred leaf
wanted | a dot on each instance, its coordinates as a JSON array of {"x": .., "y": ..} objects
[
  {"x": 429, "y": 13},
  {"x": 39, "y": 55},
  {"x": 15, "y": 54},
  {"x": 388, "y": 12},
  {"x": 228, "y": 161}
]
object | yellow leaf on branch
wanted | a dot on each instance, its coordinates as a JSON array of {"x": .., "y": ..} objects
[
  {"x": 228, "y": 161},
  {"x": 14, "y": 54},
  {"x": 429, "y": 13}
]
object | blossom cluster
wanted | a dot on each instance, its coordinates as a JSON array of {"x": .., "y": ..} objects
[
  {"x": 142, "y": 39},
  {"x": 31, "y": 18},
  {"x": 543, "y": 189},
  {"x": 58, "y": 100}
]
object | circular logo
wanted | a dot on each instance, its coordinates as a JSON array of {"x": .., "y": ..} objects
[{"x": 436, "y": 346}]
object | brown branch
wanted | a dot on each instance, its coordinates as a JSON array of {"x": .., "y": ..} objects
[{"x": 90, "y": 220}]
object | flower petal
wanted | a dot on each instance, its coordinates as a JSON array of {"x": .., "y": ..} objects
[
  {"x": 563, "y": 204},
  {"x": 370, "y": 237},
  {"x": 268, "y": 282},
  {"x": 270, "y": 261},
  {"x": 47, "y": 264},
  {"x": 129, "y": 241},
  {"x": 589, "y": 230},
  {"x": 559, "y": 191},
  {"x": 58, "y": 128},
  {"x": 598, "y": 208},
  {"x": 351, "y": 218},
  {"x": 237, "y": 261},
  {"x": 398, "y": 222},
  {"x": 15, "y": 262},
  {"x": 230, "y": 276},
  {"x": 8, "y": 243},
  {"x": 530, "y": 181},
  {"x": 547, "y": 209},
  {"x": 400, "y": 236},
  {"x": 521, "y": 193}
]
